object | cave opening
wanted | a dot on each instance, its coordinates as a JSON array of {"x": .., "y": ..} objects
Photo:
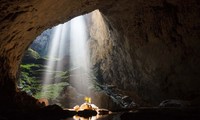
[{"x": 56, "y": 68}]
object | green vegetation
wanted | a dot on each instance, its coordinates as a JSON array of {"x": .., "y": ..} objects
[
  {"x": 63, "y": 75},
  {"x": 28, "y": 66},
  {"x": 29, "y": 84},
  {"x": 51, "y": 91},
  {"x": 34, "y": 86},
  {"x": 30, "y": 52},
  {"x": 31, "y": 77}
]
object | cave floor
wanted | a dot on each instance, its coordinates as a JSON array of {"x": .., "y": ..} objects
[
  {"x": 152, "y": 113},
  {"x": 156, "y": 113}
]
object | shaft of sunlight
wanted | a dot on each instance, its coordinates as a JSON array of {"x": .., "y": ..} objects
[
  {"x": 56, "y": 52},
  {"x": 62, "y": 48},
  {"x": 54, "y": 45},
  {"x": 75, "y": 34},
  {"x": 79, "y": 59}
]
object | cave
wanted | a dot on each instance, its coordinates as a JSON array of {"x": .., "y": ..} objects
[{"x": 147, "y": 53}]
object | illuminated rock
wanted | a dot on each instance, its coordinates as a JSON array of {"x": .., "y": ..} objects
[
  {"x": 86, "y": 106},
  {"x": 44, "y": 101},
  {"x": 94, "y": 107},
  {"x": 76, "y": 108}
]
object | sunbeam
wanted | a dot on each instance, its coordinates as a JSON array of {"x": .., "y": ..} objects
[
  {"x": 69, "y": 40},
  {"x": 79, "y": 59}
]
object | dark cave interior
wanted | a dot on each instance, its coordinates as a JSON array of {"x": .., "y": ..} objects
[{"x": 142, "y": 52}]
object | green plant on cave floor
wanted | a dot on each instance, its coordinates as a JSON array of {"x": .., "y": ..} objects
[
  {"x": 62, "y": 75},
  {"x": 31, "y": 53},
  {"x": 32, "y": 86},
  {"x": 28, "y": 66},
  {"x": 35, "y": 89},
  {"x": 51, "y": 91},
  {"x": 29, "y": 84}
]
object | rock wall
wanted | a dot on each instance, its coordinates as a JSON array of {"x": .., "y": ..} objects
[
  {"x": 41, "y": 43},
  {"x": 150, "y": 48}
]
